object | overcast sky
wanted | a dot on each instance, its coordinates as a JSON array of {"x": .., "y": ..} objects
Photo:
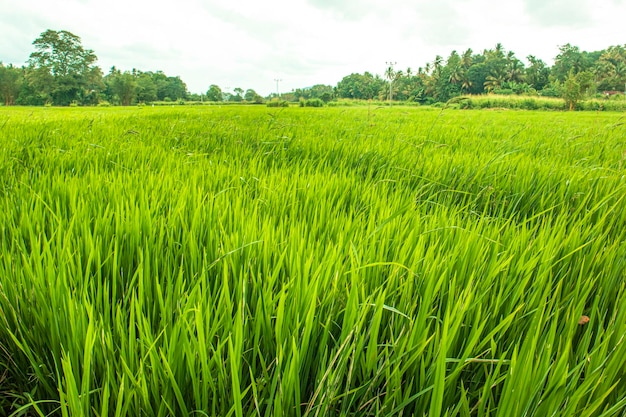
[{"x": 250, "y": 43}]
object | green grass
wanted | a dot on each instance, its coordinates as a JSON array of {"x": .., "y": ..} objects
[
  {"x": 249, "y": 261},
  {"x": 490, "y": 101}
]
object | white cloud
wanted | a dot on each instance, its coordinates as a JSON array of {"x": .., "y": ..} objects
[
  {"x": 249, "y": 43},
  {"x": 561, "y": 13}
]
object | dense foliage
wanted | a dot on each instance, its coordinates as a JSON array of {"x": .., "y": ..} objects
[
  {"x": 247, "y": 261},
  {"x": 500, "y": 72},
  {"x": 62, "y": 72}
]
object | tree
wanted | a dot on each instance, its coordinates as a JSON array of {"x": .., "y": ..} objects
[
  {"x": 122, "y": 86},
  {"x": 493, "y": 81},
  {"x": 610, "y": 69},
  {"x": 537, "y": 74},
  {"x": 11, "y": 80},
  {"x": 238, "y": 97},
  {"x": 514, "y": 68},
  {"x": 392, "y": 76},
  {"x": 476, "y": 77},
  {"x": 214, "y": 93},
  {"x": 466, "y": 59},
  {"x": 361, "y": 86},
  {"x": 323, "y": 92},
  {"x": 146, "y": 89},
  {"x": 575, "y": 87},
  {"x": 569, "y": 59},
  {"x": 455, "y": 67},
  {"x": 252, "y": 96},
  {"x": 443, "y": 84},
  {"x": 405, "y": 86},
  {"x": 60, "y": 67},
  {"x": 171, "y": 87}
]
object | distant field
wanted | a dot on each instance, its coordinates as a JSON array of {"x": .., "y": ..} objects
[{"x": 250, "y": 261}]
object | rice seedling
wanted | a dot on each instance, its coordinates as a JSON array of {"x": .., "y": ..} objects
[{"x": 312, "y": 262}]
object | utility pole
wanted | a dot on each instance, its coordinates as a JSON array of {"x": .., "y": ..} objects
[
  {"x": 277, "y": 90},
  {"x": 390, "y": 75}
]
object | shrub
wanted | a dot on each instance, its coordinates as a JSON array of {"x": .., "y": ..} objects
[
  {"x": 550, "y": 92},
  {"x": 314, "y": 102},
  {"x": 278, "y": 103},
  {"x": 529, "y": 104},
  {"x": 503, "y": 91}
]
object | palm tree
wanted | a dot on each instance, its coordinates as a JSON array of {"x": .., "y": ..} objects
[
  {"x": 437, "y": 64},
  {"x": 456, "y": 74},
  {"x": 466, "y": 58},
  {"x": 493, "y": 81},
  {"x": 499, "y": 51},
  {"x": 466, "y": 83},
  {"x": 515, "y": 71}
]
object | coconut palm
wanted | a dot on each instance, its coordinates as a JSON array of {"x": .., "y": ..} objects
[
  {"x": 438, "y": 64},
  {"x": 493, "y": 81},
  {"x": 456, "y": 74},
  {"x": 466, "y": 83},
  {"x": 515, "y": 71},
  {"x": 466, "y": 58}
]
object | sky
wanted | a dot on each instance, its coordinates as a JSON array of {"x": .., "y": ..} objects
[{"x": 253, "y": 43}]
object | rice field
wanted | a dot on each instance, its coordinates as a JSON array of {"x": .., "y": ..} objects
[{"x": 248, "y": 261}]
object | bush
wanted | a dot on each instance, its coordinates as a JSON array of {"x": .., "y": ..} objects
[
  {"x": 466, "y": 104},
  {"x": 278, "y": 103},
  {"x": 550, "y": 92},
  {"x": 529, "y": 104},
  {"x": 314, "y": 102},
  {"x": 503, "y": 91},
  {"x": 513, "y": 102},
  {"x": 593, "y": 105}
]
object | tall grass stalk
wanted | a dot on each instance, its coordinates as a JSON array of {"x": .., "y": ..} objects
[{"x": 254, "y": 261}]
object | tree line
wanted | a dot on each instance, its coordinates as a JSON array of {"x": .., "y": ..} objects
[
  {"x": 575, "y": 73},
  {"x": 61, "y": 72}
]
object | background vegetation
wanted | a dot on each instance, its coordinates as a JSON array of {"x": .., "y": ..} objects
[{"x": 61, "y": 72}]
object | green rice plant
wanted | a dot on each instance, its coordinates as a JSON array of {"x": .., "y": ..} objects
[{"x": 243, "y": 260}]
